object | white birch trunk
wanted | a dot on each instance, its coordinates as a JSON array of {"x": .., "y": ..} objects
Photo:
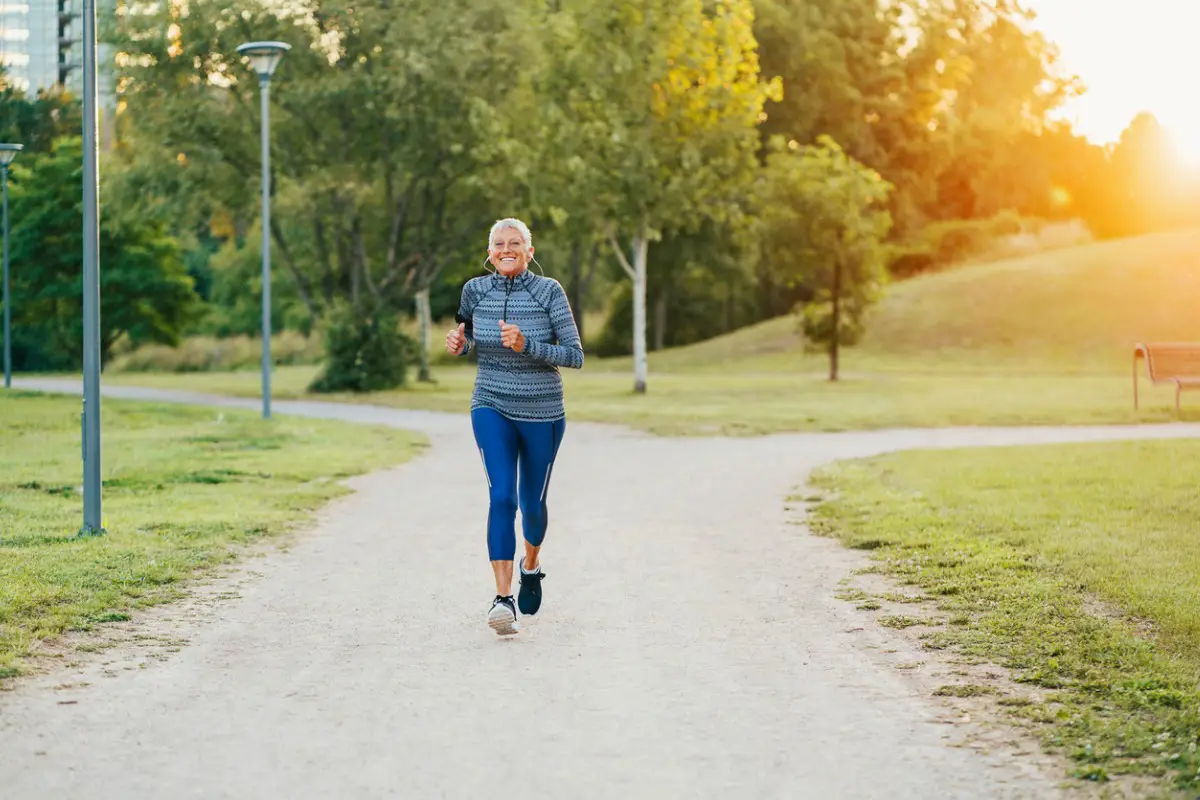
[
  {"x": 424, "y": 324},
  {"x": 640, "y": 246}
]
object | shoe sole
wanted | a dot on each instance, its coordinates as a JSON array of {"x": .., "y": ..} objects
[{"x": 502, "y": 622}]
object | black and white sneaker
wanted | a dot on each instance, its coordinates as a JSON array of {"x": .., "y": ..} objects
[
  {"x": 529, "y": 598},
  {"x": 502, "y": 618}
]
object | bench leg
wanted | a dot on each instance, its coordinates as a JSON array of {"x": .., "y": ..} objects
[
  {"x": 1135, "y": 382},
  {"x": 1178, "y": 389}
]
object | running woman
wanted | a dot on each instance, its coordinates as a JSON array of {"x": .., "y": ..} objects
[{"x": 522, "y": 327}]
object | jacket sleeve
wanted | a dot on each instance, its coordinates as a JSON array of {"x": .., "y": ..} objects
[
  {"x": 466, "y": 308},
  {"x": 568, "y": 352}
]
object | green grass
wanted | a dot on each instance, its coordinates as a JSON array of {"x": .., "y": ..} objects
[
  {"x": 691, "y": 403},
  {"x": 1077, "y": 567},
  {"x": 1046, "y": 339},
  {"x": 1081, "y": 309},
  {"x": 184, "y": 490}
]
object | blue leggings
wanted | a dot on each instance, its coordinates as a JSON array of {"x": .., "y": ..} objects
[{"x": 509, "y": 447}]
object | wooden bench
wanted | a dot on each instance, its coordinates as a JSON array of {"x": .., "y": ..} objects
[{"x": 1169, "y": 362}]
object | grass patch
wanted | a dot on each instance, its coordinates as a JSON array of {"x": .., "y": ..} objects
[
  {"x": 751, "y": 404},
  {"x": 1077, "y": 567},
  {"x": 963, "y": 690},
  {"x": 184, "y": 488}
]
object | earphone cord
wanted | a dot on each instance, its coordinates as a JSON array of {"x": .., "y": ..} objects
[{"x": 488, "y": 261}]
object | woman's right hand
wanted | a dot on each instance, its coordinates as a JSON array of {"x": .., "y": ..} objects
[{"x": 456, "y": 339}]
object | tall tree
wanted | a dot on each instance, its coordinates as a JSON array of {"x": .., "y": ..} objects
[
  {"x": 393, "y": 131},
  {"x": 145, "y": 291},
  {"x": 668, "y": 101},
  {"x": 823, "y": 221}
]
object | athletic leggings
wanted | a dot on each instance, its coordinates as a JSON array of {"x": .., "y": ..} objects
[{"x": 509, "y": 447}]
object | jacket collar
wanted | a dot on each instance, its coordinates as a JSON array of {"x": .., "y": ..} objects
[{"x": 522, "y": 279}]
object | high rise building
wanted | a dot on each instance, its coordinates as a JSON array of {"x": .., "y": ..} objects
[
  {"x": 40, "y": 43},
  {"x": 41, "y": 47}
]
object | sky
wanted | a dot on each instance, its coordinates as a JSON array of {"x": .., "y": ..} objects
[{"x": 1132, "y": 56}]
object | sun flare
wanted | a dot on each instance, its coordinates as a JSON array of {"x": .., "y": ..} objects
[{"x": 1132, "y": 58}]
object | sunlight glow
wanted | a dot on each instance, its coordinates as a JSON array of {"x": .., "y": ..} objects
[{"x": 1132, "y": 57}]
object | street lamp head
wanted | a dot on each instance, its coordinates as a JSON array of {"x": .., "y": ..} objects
[
  {"x": 8, "y": 152},
  {"x": 264, "y": 56}
]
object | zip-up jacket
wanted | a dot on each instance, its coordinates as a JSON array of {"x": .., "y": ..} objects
[{"x": 526, "y": 385}]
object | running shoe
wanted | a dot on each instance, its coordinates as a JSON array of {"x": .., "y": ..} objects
[
  {"x": 529, "y": 598},
  {"x": 502, "y": 618}
]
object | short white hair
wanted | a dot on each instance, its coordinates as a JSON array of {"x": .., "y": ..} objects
[{"x": 511, "y": 222}]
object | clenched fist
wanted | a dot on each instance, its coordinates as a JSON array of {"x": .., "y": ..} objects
[
  {"x": 511, "y": 337},
  {"x": 456, "y": 339}
]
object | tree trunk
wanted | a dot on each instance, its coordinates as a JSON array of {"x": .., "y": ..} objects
[
  {"x": 836, "y": 321},
  {"x": 660, "y": 320},
  {"x": 575, "y": 292},
  {"x": 640, "y": 246},
  {"x": 424, "y": 323}
]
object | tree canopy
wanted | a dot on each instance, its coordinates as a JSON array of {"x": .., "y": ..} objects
[{"x": 634, "y": 136}]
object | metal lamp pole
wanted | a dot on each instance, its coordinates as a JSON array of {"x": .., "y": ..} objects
[
  {"x": 265, "y": 57},
  {"x": 7, "y": 153},
  {"x": 91, "y": 283}
]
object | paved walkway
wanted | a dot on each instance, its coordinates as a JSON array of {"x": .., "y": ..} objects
[{"x": 689, "y": 646}]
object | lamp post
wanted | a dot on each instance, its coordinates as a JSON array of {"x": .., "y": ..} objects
[
  {"x": 264, "y": 58},
  {"x": 7, "y": 153},
  {"x": 92, "y": 487}
]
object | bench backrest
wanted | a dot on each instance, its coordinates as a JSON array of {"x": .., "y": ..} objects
[{"x": 1172, "y": 360}]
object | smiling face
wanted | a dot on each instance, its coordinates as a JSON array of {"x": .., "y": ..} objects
[{"x": 508, "y": 253}]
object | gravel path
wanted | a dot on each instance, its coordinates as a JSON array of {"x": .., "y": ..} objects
[{"x": 689, "y": 645}]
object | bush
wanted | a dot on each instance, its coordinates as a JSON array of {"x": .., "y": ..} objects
[
  {"x": 907, "y": 261},
  {"x": 952, "y": 242},
  {"x": 210, "y": 354},
  {"x": 365, "y": 352}
]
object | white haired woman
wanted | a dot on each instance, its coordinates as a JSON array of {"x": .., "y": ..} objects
[{"x": 522, "y": 328}]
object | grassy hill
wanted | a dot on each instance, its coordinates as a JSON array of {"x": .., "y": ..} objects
[{"x": 1082, "y": 307}]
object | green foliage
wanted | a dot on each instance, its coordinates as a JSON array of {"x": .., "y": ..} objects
[
  {"x": 234, "y": 306},
  {"x": 392, "y": 127},
  {"x": 702, "y": 286},
  {"x": 36, "y": 122},
  {"x": 626, "y": 130},
  {"x": 365, "y": 352},
  {"x": 146, "y": 294},
  {"x": 822, "y": 224},
  {"x": 959, "y": 241}
]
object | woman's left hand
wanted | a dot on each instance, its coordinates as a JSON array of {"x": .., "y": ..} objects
[{"x": 511, "y": 337}]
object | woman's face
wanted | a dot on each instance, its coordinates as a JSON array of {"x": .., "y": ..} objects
[{"x": 507, "y": 253}]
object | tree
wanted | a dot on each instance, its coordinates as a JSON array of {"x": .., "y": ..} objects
[
  {"x": 667, "y": 102},
  {"x": 392, "y": 132},
  {"x": 822, "y": 221},
  {"x": 145, "y": 292}
]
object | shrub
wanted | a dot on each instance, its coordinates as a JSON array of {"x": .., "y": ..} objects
[
  {"x": 211, "y": 354},
  {"x": 907, "y": 261},
  {"x": 952, "y": 242},
  {"x": 364, "y": 352}
]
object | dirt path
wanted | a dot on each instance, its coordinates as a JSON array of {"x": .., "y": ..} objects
[{"x": 690, "y": 645}]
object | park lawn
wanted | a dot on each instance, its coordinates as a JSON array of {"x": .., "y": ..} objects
[
  {"x": 1020, "y": 550},
  {"x": 874, "y": 393},
  {"x": 184, "y": 490}
]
